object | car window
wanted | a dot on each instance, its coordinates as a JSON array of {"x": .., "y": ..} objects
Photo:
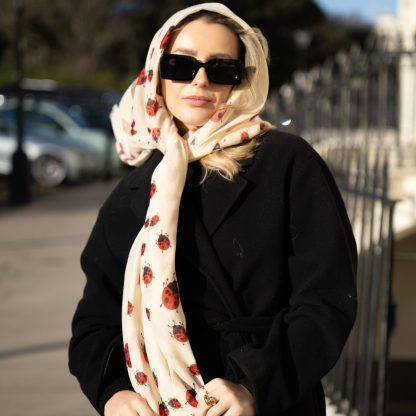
[
  {"x": 75, "y": 112},
  {"x": 8, "y": 116},
  {"x": 42, "y": 123},
  {"x": 33, "y": 121}
]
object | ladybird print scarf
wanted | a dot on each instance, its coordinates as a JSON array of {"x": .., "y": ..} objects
[{"x": 158, "y": 353}]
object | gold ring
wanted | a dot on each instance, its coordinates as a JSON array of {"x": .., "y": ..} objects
[{"x": 210, "y": 400}]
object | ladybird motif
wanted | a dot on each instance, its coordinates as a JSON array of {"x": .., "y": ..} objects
[
  {"x": 147, "y": 313},
  {"x": 163, "y": 409},
  {"x": 262, "y": 126},
  {"x": 150, "y": 75},
  {"x": 152, "y": 189},
  {"x": 147, "y": 275},
  {"x": 193, "y": 142},
  {"x": 190, "y": 397},
  {"x": 129, "y": 308},
  {"x": 170, "y": 295},
  {"x": 156, "y": 134},
  {"x": 194, "y": 370},
  {"x": 217, "y": 147},
  {"x": 154, "y": 220},
  {"x": 218, "y": 115},
  {"x": 244, "y": 136},
  {"x": 151, "y": 107},
  {"x": 166, "y": 38},
  {"x": 141, "y": 378},
  {"x": 163, "y": 242},
  {"x": 141, "y": 79},
  {"x": 146, "y": 223},
  {"x": 155, "y": 378},
  {"x": 174, "y": 403},
  {"x": 132, "y": 131},
  {"x": 143, "y": 249},
  {"x": 127, "y": 355},
  {"x": 178, "y": 332}
]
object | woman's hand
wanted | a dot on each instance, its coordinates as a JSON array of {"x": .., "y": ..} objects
[
  {"x": 233, "y": 399},
  {"x": 127, "y": 403}
]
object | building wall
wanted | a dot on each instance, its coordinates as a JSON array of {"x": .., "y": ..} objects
[
  {"x": 403, "y": 341},
  {"x": 407, "y": 30}
]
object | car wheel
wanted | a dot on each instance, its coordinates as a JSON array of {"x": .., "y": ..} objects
[{"x": 48, "y": 171}]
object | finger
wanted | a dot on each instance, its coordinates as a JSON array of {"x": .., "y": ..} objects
[
  {"x": 202, "y": 409},
  {"x": 219, "y": 409},
  {"x": 142, "y": 408},
  {"x": 212, "y": 390},
  {"x": 215, "y": 383},
  {"x": 203, "y": 406}
]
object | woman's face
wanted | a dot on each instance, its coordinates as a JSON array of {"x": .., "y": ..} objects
[{"x": 192, "y": 103}]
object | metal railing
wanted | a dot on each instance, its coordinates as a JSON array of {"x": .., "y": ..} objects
[
  {"x": 358, "y": 383},
  {"x": 349, "y": 111},
  {"x": 354, "y": 98}
]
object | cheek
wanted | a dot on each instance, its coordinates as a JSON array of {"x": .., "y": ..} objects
[
  {"x": 224, "y": 93},
  {"x": 171, "y": 92}
]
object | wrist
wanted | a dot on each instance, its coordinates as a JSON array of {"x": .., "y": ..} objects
[{"x": 118, "y": 385}]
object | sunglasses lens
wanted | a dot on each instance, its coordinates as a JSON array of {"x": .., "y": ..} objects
[
  {"x": 184, "y": 68},
  {"x": 225, "y": 71},
  {"x": 177, "y": 67}
]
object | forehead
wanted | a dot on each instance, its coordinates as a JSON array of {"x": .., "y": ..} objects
[{"x": 204, "y": 39}]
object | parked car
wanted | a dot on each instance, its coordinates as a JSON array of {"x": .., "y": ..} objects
[
  {"x": 56, "y": 118},
  {"x": 92, "y": 103},
  {"x": 53, "y": 158}
]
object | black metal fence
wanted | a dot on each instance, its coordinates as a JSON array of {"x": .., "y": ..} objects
[
  {"x": 353, "y": 98},
  {"x": 349, "y": 110},
  {"x": 358, "y": 383}
]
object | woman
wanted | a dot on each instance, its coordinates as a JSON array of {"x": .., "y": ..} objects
[{"x": 246, "y": 221}]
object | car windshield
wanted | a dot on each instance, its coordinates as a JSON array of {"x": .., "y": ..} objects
[
  {"x": 33, "y": 121},
  {"x": 74, "y": 114}
]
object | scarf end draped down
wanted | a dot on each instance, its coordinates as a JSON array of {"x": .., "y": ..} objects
[{"x": 159, "y": 358}]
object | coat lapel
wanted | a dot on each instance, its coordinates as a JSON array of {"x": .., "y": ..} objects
[
  {"x": 218, "y": 197},
  {"x": 195, "y": 246}
]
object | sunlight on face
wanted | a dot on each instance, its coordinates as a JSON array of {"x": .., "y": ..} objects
[{"x": 192, "y": 103}]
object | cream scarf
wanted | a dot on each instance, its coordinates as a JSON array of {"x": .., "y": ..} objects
[{"x": 159, "y": 357}]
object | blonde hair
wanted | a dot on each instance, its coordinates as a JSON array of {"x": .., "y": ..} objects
[{"x": 226, "y": 162}]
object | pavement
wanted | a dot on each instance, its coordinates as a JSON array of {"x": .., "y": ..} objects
[{"x": 40, "y": 285}]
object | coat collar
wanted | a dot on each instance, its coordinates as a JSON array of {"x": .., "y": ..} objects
[{"x": 218, "y": 196}]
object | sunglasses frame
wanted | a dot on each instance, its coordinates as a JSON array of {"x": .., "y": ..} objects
[{"x": 197, "y": 65}]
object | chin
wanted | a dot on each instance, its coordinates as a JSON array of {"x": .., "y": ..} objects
[{"x": 196, "y": 122}]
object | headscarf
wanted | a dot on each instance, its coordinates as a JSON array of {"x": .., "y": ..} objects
[{"x": 158, "y": 353}]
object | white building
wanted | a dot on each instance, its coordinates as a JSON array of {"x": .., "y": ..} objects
[
  {"x": 400, "y": 33},
  {"x": 407, "y": 27}
]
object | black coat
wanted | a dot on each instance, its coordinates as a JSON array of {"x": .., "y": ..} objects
[{"x": 275, "y": 248}]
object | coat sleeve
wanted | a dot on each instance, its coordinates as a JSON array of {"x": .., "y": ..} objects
[
  {"x": 96, "y": 355},
  {"x": 307, "y": 337}
]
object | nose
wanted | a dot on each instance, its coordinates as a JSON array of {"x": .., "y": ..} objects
[{"x": 201, "y": 78}]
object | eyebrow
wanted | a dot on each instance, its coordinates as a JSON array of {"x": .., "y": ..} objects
[{"x": 193, "y": 53}]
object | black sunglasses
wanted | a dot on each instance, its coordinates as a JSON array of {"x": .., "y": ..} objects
[{"x": 185, "y": 68}]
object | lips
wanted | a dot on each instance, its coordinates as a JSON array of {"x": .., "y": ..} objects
[{"x": 197, "y": 100}]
